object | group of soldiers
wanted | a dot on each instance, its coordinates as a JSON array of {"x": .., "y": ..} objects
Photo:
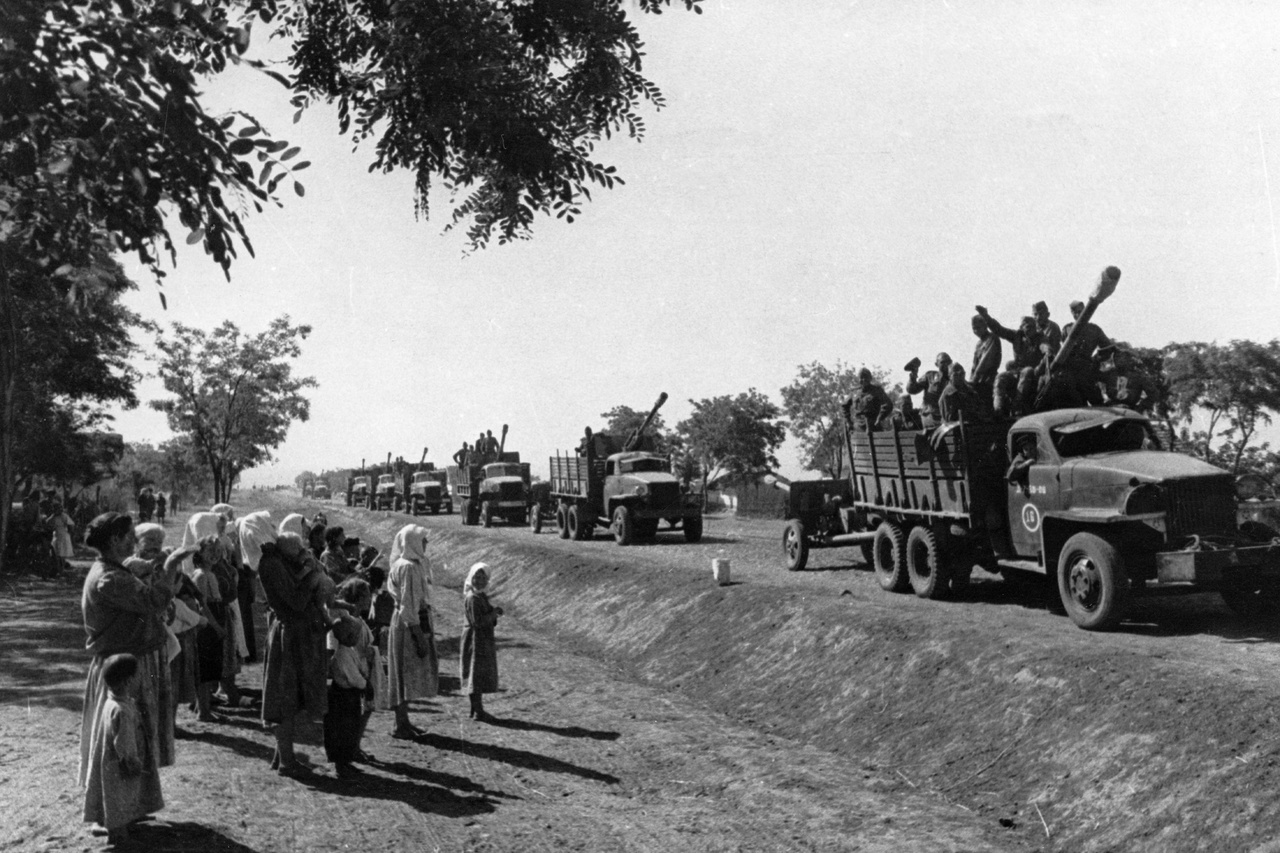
[
  {"x": 1052, "y": 367},
  {"x": 486, "y": 449}
]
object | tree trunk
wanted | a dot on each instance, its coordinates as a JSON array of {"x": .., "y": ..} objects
[{"x": 8, "y": 386}]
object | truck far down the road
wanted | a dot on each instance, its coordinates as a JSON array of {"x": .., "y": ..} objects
[
  {"x": 627, "y": 489},
  {"x": 497, "y": 490},
  {"x": 429, "y": 492}
]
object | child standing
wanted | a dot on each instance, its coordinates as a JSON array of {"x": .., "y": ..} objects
[
  {"x": 122, "y": 785},
  {"x": 479, "y": 658},
  {"x": 351, "y": 669}
]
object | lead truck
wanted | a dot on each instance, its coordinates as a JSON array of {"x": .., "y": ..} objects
[{"x": 1094, "y": 502}]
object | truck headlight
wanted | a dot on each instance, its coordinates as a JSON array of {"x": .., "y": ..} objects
[
  {"x": 641, "y": 490},
  {"x": 1144, "y": 499}
]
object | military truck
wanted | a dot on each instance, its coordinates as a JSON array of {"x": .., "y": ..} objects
[
  {"x": 495, "y": 491},
  {"x": 626, "y": 488},
  {"x": 308, "y": 488},
  {"x": 429, "y": 492},
  {"x": 320, "y": 491},
  {"x": 387, "y": 493},
  {"x": 1092, "y": 501},
  {"x": 360, "y": 491}
]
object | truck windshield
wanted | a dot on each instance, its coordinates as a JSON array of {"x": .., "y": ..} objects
[
  {"x": 635, "y": 466},
  {"x": 502, "y": 471},
  {"x": 1109, "y": 436},
  {"x": 386, "y": 478}
]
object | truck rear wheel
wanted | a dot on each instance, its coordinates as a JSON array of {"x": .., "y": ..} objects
[
  {"x": 889, "y": 557},
  {"x": 795, "y": 545},
  {"x": 926, "y": 564},
  {"x": 575, "y": 517},
  {"x": 486, "y": 514},
  {"x": 562, "y": 521},
  {"x": 535, "y": 518},
  {"x": 693, "y": 529},
  {"x": 1093, "y": 582},
  {"x": 623, "y": 527}
]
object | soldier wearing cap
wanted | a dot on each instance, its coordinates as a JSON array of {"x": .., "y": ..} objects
[
  {"x": 987, "y": 354},
  {"x": 1029, "y": 351},
  {"x": 871, "y": 405},
  {"x": 1081, "y": 369},
  {"x": 933, "y": 384},
  {"x": 1050, "y": 332},
  {"x": 960, "y": 398}
]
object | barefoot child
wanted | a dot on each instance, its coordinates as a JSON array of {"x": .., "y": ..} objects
[
  {"x": 122, "y": 785},
  {"x": 479, "y": 658}
]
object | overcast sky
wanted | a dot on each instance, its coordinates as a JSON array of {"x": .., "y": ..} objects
[{"x": 829, "y": 181}]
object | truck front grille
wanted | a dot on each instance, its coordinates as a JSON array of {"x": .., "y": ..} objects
[
  {"x": 510, "y": 491},
  {"x": 1202, "y": 505},
  {"x": 664, "y": 494}
]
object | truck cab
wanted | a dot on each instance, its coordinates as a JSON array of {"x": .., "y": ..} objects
[
  {"x": 360, "y": 493},
  {"x": 320, "y": 491},
  {"x": 387, "y": 493},
  {"x": 428, "y": 491},
  {"x": 504, "y": 491},
  {"x": 643, "y": 483}
]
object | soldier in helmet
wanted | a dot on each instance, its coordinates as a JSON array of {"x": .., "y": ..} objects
[
  {"x": 960, "y": 398},
  {"x": 871, "y": 405},
  {"x": 933, "y": 384}
]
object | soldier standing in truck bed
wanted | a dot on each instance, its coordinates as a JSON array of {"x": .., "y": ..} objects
[
  {"x": 871, "y": 405},
  {"x": 1050, "y": 332},
  {"x": 1028, "y": 359},
  {"x": 987, "y": 354},
  {"x": 933, "y": 384},
  {"x": 1081, "y": 369},
  {"x": 460, "y": 457},
  {"x": 961, "y": 399},
  {"x": 1127, "y": 384},
  {"x": 491, "y": 447}
]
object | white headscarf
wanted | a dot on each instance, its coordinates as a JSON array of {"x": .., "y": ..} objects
[
  {"x": 149, "y": 531},
  {"x": 408, "y": 546},
  {"x": 256, "y": 530},
  {"x": 199, "y": 525},
  {"x": 467, "y": 586},
  {"x": 224, "y": 509},
  {"x": 294, "y": 523}
]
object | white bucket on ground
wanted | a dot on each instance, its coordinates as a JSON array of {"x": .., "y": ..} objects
[{"x": 720, "y": 570}]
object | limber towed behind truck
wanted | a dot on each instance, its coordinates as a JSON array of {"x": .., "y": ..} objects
[
  {"x": 1100, "y": 508},
  {"x": 626, "y": 489}
]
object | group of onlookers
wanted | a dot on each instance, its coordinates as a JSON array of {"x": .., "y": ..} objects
[{"x": 171, "y": 628}]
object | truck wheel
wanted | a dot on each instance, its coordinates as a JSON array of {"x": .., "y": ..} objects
[
  {"x": 562, "y": 521},
  {"x": 693, "y": 529},
  {"x": 486, "y": 514},
  {"x": 1092, "y": 582},
  {"x": 927, "y": 563},
  {"x": 575, "y": 518},
  {"x": 889, "y": 557},
  {"x": 623, "y": 527},
  {"x": 535, "y": 518},
  {"x": 795, "y": 545},
  {"x": 466, "y": 512}
]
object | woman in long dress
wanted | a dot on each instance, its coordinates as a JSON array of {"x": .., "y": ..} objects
[
  {"x": 124, "y": 614},
  {"x": 412, "y": 665},
  {"x": 200, "y": 527}
]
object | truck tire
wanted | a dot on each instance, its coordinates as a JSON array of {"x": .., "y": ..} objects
[
  {"x": 1250, "y": 595},
  {"x": 623, "y": 526},
  {"x": 927, "y": 564},
  {"x": 562, "y": 521},
  {"x": 795, "y": 545},
  {"x": 466, "y": 512},
  {"x": 693, "y": 529},
  {"x": 1092, "y": 582},
  {"x": 889, "y": 557},
  {"x": 535, "y": 518},
  {"x": 486, "y": 514},
  {"x": 576, "y": 520}
]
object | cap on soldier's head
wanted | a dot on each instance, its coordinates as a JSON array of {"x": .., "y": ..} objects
[
  {"x": 941, "y": 359},
  {"x": 1039, "y": 306},
  {"x": 864, "y": 373},
  {"x": 1077, "y": 306}
]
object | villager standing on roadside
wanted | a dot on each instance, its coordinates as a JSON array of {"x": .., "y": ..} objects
[
  {"x": 413, "y": 668},
  {"x": 121, "y": 787},
  {"x": 478, "y": 657}
]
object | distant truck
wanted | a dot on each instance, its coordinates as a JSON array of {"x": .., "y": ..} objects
[
  {"x": 429, "y": 492},
  {"x": 308, "y": 488},
  {"x": 629, "y": 490},
  {"x": 360, "y": 492},
  {"x": 1087, "y": 497},
  {"x": 495, "y": 491},
  {"x": 320, "y": 491}
]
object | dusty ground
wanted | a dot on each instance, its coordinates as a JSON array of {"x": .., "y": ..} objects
[{"x": 648, "y": 709}]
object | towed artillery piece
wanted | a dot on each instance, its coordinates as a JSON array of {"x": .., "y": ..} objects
[
  {"x": 494, "y": 491},
  {"x": 629, "y": 490}
]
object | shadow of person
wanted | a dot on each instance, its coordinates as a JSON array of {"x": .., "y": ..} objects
[
  {"x": 239, "y": 745},
  {"x": 514, "y": 757},
  {"x": 181, "y": 837},
  {"x": 429, "y": 793},
  {"x": 562, "y": 731}
]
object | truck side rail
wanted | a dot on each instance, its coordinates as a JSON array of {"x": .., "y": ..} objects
[
  {"x": 934, "y": 473},
  {"x": 576, "y": 476}
]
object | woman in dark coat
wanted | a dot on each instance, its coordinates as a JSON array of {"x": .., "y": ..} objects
[{"x": 478, "y": 660}]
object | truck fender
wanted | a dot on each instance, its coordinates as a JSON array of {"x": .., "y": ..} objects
[{"x": 1124, "y": 532}]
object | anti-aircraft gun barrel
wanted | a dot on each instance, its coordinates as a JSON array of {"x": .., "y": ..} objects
[
  {"x": 633, "y": 440},
  {"x": 503, "y": 442},
  {"x": 1106, "y": 286}
]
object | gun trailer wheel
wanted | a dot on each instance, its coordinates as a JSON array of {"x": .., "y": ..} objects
[
  {"x": 795, "y": 546},
  {"x": 1092, "y": 582},
  {"x": 562, "y": 521},
  {"x": 486, "y": 514},
  {"x": 889, "y": 557}
]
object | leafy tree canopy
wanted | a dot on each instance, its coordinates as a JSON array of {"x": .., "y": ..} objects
[
  {"x": 812, "y": 405},
  {"x": 234, "y": 396},
  {"x": 735, "y": 435},
  {"x": 622, "y": 421}
]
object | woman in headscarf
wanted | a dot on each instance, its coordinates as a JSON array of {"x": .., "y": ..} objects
[
  {"x": 149, "y": 554},
  {"x": 125, "y": 615},
  {"x": 293, "y": 671},
  {"x": 478, "y": 658},
  {"x": 231, "y": 542},
  {"x": 295, "y": 523},
  {"x": 219, "y": 589},
  {"x": 411, "y": 648}
]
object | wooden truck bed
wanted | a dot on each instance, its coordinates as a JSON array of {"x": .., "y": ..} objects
[{"x": 571, "y": 477}]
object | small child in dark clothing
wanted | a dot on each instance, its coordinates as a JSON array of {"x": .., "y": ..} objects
[
  {"x": 478, "y": 661},
  {"x": 384, "y": 605},
  {"x": 352, "y": 671}
]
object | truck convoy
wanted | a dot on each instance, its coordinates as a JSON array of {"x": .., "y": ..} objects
[
  {"x": 1087, "y": 497},
  {"x": 625, "y": 488},
  {"x": 496, "y": 490},
  {"x": 429, "y": 492}
]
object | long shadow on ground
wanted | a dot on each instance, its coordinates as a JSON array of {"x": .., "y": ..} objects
[
  {"x": 515, "y": 757},
  {"x": 43, "y": 660},
  {"x": 182, "y": 837}
]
